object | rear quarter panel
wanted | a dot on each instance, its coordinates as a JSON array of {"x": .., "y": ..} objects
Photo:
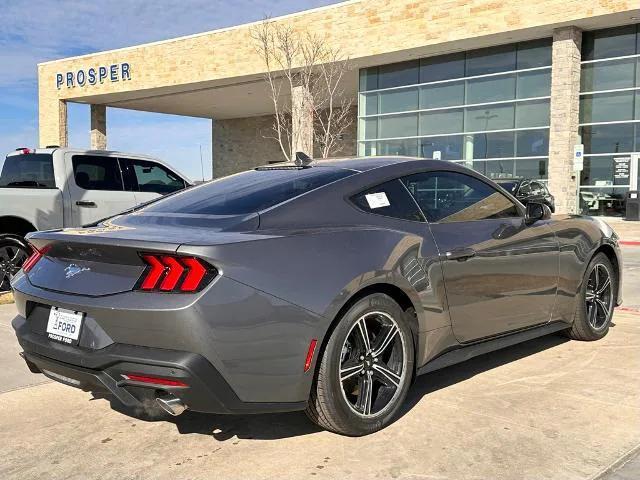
[{"x": 43, "y": 208}]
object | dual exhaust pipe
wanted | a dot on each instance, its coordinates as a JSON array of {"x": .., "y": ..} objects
[{"x": 171, "y": 404}]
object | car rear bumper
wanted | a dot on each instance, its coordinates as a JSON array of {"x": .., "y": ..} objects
[{"x": 102, "y": 371}]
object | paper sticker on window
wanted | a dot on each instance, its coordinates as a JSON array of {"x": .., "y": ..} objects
[{"x": 377, "y": 200}]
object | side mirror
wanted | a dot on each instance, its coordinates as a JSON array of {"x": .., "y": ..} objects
[{"x": 537, "y": 211}]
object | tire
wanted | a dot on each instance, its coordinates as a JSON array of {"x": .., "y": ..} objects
[
  {"x": 13, "y": 252},
  {"x": 590, "y": 324},
  {"x": 386, "y": 371}
]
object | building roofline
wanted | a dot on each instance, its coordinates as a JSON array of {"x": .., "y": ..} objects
[{"x": 209, "y": 32}]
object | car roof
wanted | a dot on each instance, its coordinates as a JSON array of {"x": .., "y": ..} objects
[{"x": 364, "y": 164}]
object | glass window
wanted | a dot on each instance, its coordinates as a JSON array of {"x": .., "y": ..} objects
[
  {"x": 450, "y": 147},
  {"x": 597, "y": 171},
  {"x": 491, "y": 89},
  {"x": 532, "y": 143},
  {"x": 490, "y": 145},
  {"x": 534, "y": 84},
  {"x": 407, "y": 148},
  {"x": 248, "y": 192},
  {"x": 444, "y": 67},
  {"x": 152, "y": 177},
  {"x": 398, "y": 126},
  {"x": 489, "y": 117},
  {"x": 536, "y": 53},
  {"x": 442, "y": 95},
  {"x": 370, "y": 127},
  {"x": 398, "y": 74},
  {"x": 531, "y": 168},
  {"x": 446, "y": 197},
  {"x": 491, "y": 60},
  {"x": 368, "y": 79},
  {"x": 441, "y": 121},
  {"x": 496, "y": 169},
  {"x": 608, "y": 75},
  {"x": 368, "y": 103},
  {"x": 611, "y": 138},
  {"x": 608, "y": 201},
  {"x": 31, "y": 170},
  {"x": 97, "y": 173},
  {"x": 399, "y": 100},
  {"x": 390, "y": 199},
  {"x": 612, "y": 42},
  {"x": 532, "y": 114},
  {"x": 606, "y": 107}
]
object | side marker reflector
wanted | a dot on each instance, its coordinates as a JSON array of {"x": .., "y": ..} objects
[{"x": 310, "y": 352}]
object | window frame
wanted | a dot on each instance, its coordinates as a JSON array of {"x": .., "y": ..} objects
[
  {"x": 133, "y": 178},
  {"x": 516, "y": 203},
  {"x": 113, "y": 159},
  {"x": 349, "y": 198}
]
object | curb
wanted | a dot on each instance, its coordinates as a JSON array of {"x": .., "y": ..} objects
[
  {"x": 628, "y": 310},
  {"x": 630, "y": 243}
]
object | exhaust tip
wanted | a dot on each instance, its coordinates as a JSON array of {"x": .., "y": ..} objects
[{"x": 171, "y": 404}]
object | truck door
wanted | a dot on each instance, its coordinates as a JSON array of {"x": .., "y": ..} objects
[{"x": 96, "y": 188}]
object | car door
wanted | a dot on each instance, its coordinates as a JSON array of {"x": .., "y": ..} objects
[
  {"x": 96, "y": 188},
  {"x": 500, "y": 273},
  {"x": 150, "y": 180}
]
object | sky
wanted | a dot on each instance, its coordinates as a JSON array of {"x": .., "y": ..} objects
[{"x": 35, "y": 31}]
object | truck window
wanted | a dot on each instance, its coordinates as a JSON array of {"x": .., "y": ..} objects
[
  {"x": 97, "y": 173},
  {"x": 31, "y": 170},
  {"x": 155, "y": 178}
]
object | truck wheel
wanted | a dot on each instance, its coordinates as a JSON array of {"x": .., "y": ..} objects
[{"x": 13, "y": 252}]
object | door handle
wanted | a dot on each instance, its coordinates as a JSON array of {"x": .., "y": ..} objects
[
  {"x": 84, "y": 203},
  {"x": 460, "y": 254}
]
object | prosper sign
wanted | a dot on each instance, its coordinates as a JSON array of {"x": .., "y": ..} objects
[{"x": 112, "y": 73}]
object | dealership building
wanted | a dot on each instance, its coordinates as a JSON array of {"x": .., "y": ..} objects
[{"x": 547, "y": 90}]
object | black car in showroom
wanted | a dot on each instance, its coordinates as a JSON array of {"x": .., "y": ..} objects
[
  {"x": 325, "y": 286},
  {"x": 527, "y": 190}
]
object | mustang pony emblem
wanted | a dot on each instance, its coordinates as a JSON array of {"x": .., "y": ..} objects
[{"x": 72, "y": 270}]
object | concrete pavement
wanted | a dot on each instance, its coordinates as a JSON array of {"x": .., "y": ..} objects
[{"x": 550, "y": 408}]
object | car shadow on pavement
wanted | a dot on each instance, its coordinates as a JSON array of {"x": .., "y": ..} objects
[
  {"x": 285, "y": 425},
  {"x": 431, "y": 382}
]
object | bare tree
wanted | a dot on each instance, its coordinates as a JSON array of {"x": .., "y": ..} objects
[{"x": 305, "y": 78}]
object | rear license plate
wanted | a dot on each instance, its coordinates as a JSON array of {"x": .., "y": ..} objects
[{"x": 64, "y": 325}]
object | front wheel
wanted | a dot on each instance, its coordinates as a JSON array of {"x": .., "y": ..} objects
[
  {"x": 365, "y": 370},
  {"x": 13, "y": 252},
  {"x": 594, "y": 309}
]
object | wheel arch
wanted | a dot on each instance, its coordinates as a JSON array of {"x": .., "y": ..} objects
[
  {"x": 393, "y": 291},
  {"x": 612, "y": 255},
  {"x": 12, "y": 225}
]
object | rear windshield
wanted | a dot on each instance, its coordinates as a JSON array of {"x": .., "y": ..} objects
[
  {"x": 32, "y": 170},
  {"x": 248, "y": 192}
]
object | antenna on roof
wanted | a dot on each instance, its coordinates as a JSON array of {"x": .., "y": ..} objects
[{"x": 302, "y": 159}]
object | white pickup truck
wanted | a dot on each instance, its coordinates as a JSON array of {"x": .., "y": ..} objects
[{"x": 48, "y": 188}]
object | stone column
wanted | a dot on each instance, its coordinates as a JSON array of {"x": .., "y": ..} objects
[
  {"x": 52, "y": 129},
  {"x": 98, "y": 127},
  {"x": 301, "y": 121},
  {"x": 565, "y": 103}
]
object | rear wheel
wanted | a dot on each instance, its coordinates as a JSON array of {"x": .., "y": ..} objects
[
  {"x": 13, "y": 252},
  {"x": 365, "y": 370},
  {"x": 595, "y": 306}
]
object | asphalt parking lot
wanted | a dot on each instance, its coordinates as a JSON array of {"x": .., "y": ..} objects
[{"x": 549, "y": 408}]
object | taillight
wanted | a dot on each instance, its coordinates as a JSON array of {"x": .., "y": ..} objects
[
  {"x": 35, "y": 257},
  {"x": 172, "y": 273}
]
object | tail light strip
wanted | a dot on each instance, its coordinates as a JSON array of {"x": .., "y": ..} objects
[
  {"x": 35, "y": 257},
  {"x": 171, "y": 273}
]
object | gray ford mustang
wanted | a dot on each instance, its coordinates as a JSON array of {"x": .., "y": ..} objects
[{"x": 326, "y": 287}]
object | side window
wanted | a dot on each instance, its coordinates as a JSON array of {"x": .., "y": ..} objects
[
  {"x": 389, "y": 199},
  {"x": 524, "y": 190},
  {"x": 455, "y": 197},
  {"x": 538, "y": 189},
  {"x": 154, "y": 178},
  {"x": 97, "y": 173}
]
